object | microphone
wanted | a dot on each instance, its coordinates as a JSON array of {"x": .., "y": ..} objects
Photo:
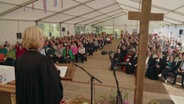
[
  {"x": 91, "y": 80},
  {"x": 87, "y": 72},
  {"x": 79, "y": 66}
]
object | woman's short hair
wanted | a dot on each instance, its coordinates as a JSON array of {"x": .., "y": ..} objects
[{"x": 31, "y": 37}]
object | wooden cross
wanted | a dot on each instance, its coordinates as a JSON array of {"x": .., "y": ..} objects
[{"x": 145, "y": 16}]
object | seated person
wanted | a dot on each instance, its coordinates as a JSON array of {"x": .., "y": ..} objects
[
  {"x": 155, "y": 67},
  {"x": 109, "y": 39},
  {"x": 115, "y": 60},
  {"x": 126, "y": 57},
  {"x": 148, "y": 60},
  {"x": 67, "y": 55},
  {"x": 3, "y": 49},
  {"x": 95, "y": 44},
  {"x": 123, "y": 52},
  {"x": 91, "y": 47},
  {"x": 101, "y": 43},
  {"x": 10, "y": 57},
  {"x": 2, "y": 57},
  {"x": 170, "y": 67},
  {"x": 50, "y": 52},
  {"x": 75, "y": 51},
  {"x": 58, "y": 53},
  {"x": 180, "y": 71},
  {"x": 20, "y": 50},
  {"x": 132, "y": 63},
  {"x": 82, "y": 53}
]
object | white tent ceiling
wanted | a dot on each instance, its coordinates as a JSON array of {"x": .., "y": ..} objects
[{"x": 87, "y": 11}]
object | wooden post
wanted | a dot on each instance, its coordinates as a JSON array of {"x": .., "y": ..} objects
[{"x": 145, "y": 16}]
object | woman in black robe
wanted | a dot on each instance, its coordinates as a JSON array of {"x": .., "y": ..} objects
[
  {"x": 37, "y": 79},
  {"x": 156, "y": 66}
]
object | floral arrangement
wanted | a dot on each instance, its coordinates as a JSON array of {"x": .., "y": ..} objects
[
  {"x": 80, "y": 99},
  {"x": 107, "y": 98},
  {"x": 154, "y": 102},
  {"x": 110, "y": 98}
]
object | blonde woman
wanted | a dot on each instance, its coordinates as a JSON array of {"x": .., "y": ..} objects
[{"x": 37, "y": 79}]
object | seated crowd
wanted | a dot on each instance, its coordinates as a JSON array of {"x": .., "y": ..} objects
[
  {"x": 164, "y": 57},
  {"x": 61, "y": 50}
]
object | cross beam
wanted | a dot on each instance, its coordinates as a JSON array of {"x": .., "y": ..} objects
[{"x": 145, "y": 16}]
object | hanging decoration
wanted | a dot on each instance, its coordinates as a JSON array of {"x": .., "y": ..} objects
[
  {"x": 45, "y": 6},
  {"x": 32, "y": 4},
  {"x": 61, "y": 3},
  {"x": 55, "y": 3},
  {"x": 24, "y": 6}
]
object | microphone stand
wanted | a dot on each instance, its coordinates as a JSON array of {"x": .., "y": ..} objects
[
  {"x": 119, "y": 96},
  {"x": 91, "y": 79}
]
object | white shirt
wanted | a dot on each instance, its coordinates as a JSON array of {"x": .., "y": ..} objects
[
  {"x": 42, "y": 51},
  {"x": 182, "y": 66},
  {"x": 147, "y": 59},
  {"x": 82, "y": 50}
]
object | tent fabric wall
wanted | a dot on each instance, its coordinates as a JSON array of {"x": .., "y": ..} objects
[
  {"x": 88, "y": 29},
  {"x": 68, "y": 28},
  {"x": 8, "y": 30},
  {"x": 123, "y": 23},
  {"x": 85, "y": 12},
  {"x": 174, "y": 30}
]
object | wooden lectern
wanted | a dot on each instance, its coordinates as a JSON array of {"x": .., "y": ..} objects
[{"x": 7, "y": 91}]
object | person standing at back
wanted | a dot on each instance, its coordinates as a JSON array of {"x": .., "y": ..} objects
[{"x": 37, "y": 79}]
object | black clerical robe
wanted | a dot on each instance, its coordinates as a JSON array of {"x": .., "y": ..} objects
[{"x": 37, "y": 80}]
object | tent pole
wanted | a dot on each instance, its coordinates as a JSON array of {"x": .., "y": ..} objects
[{"x": 60, "y": 30}]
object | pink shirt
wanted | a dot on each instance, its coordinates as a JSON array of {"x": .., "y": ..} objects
[{"x": 75, "y": 50}]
